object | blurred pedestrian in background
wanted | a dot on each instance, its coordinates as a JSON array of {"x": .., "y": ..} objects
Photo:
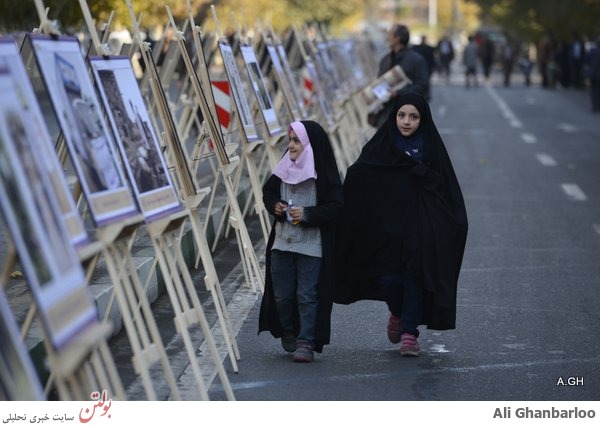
[
  {"x": 487, "y": 52},
  {"x": 509, "y": 55},
  {"x": 428, "y": 52},
  {"x": 526, "y": 66},
  {"x": 593, "y": 74},
  {"x": 445, "y": 55},
  {"x": 576, "y": 60},
  {"x": 470, "y": 58},
  {"x": 546, "y": 57},
  {"x": 413, "y": 64}
]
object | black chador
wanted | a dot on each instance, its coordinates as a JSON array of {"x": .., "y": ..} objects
[{"x": 403, "y": 213}]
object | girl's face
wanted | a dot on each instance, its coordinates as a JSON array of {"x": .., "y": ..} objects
[
  {"x": 295, "y": 147},
  {"x": 408, "y": 120}
]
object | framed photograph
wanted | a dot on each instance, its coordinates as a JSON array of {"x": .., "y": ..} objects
[
  {"x": 380, "y": 90},
  {"x": 36, "y": 140},
  {"x": 293, "y": 82},
  {"x": 327, "y": 70},
  {"x": 77, "y": 109},
  {"x": 319, "y": 92},
  {"x": 260, "y": 90},
  {"x": 237, "y": 88},
  {"x": 343, "y": 54},
  {"x": 32, "y": 215},
  {"x": 128, "y": 116},
  {"x": 18, "y": 379},
  {"x": 284, "y": 84}
]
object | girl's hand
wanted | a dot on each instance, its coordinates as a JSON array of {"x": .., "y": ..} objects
[
  {"x": 296, "y": 214},
  {"x": 280, "y": 208}
]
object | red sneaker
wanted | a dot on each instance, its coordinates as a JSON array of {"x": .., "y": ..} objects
[
  {"x": 304, "y": 352},
  {"x": 394, "y": 328},
  {"x": 409, "y": 345}
]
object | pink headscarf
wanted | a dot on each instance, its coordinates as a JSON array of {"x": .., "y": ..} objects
[{"x": 303, "y": 168}]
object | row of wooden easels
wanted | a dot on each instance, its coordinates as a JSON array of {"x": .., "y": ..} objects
[{"x": 87, "y": 364}]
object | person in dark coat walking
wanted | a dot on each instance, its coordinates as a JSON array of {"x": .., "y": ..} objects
[
  {"x": 487, "y": 53},
  {"x": 593, "y": 73},
  {"x": 413, "y": 64},
  {"x": 304, "y": 194},
  {"x": 428, "y": 52},
  {"x": 445, "y": 54},
  {"x": 403, "y": 231}
]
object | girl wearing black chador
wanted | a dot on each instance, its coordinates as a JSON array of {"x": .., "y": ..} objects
[
  {"x": 403, "y": 232},
  {"x": 304, "y": 194}
]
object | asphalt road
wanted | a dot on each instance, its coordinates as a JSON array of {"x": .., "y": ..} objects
[{"x": 528, "y": 323}]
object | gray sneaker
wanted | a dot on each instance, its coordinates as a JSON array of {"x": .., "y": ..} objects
[
  {"x": 304, "y": 352},
  {"x": 288, "y": 341}
]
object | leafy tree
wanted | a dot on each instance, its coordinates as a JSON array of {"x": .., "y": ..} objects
[
  {"x": 19, "y": 15},
  {"x": 530, "y": 19}
]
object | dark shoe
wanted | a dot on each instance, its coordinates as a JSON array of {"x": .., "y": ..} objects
[
  {"x": 409, "y": 346},
  {"x": 394, "y": 328},
  {"x": 304, "y": 352},
  {"x": 288, "y": 341}
]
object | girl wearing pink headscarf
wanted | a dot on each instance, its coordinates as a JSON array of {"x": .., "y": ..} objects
[{"x": 304, "y": 194}]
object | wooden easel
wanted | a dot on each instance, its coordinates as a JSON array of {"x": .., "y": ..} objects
[
  {"x": 168, "y": 248},
  {"x": 114, "y": 242},
  {"x": 249, "y": 142},
  {"x": 352, "y": 121},
  {"x": 193, "y": 203},
  {"x": 184, "y": 299},
  {"x": 138, "y": 319},
  {"x": 226, "y": 165},
  {"x": 328, "y": 113},
  {"x": 116, "y": 245},
  {"x": 85, "y": 364},
  {"x": 248, "y": 150},
  {"x": 293, "y": 104},
  {"x": 88, "y": 255},
  {"x": 271, "y": 139}
]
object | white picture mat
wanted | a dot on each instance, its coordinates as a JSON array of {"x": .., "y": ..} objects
[
  {"x": 90, "y": 144},
  {"x": 237, "y": 89},
  {"x": 285, "y": 84},
  {"x": 377, "y": 93},
  {"x": 294, "y": 82},
  {"x": 319, "y": 91},
  {"x": 42, "y": 151},
  {"x": 260, "y": 90},
  {"x": 133, "y": 131},
  {"x": 33, "y": 217},
  {"x": 347, "y": 50},
  {"x": 328, "y": 71}
]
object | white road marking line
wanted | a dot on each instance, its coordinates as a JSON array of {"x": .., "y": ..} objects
[
  {"x": 508, "y": 366},
  {"x": 545, "y": 159},
  {"x": 573, "y": 191},
  {"x": 597, "y": 228},
  {"x": 568, "y": 128},
  {"x": 528, "y": 138},
  {"x": 506, "y": 111}
]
